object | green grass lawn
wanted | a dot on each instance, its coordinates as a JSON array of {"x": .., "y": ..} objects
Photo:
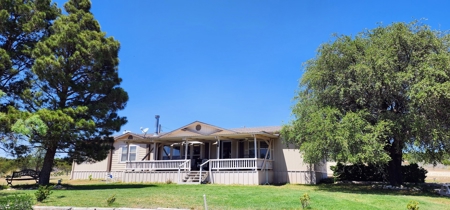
[{"x": 95, "y": 193}]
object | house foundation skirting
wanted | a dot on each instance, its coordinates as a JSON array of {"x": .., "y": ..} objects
[
  {"x": 241, "y": 177},
  {"x": 216, "y": 177},
  {"x": 95, "y": 174},
  {"x": 151, "y": 176},
  {"x": 298, "y": 177}
]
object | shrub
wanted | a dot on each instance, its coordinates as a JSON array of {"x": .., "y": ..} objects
[
  {"x": 111, "y": 200},
  {"x": 43, "y": 192},
  {"x": 361, "y": 172},
  {"x": 169, "y": 181},
  {"x": 413, "y": 205},
  {"x": 90, "y": 177},
  {"x": 304, "y": 199},
  {"x": 17, "y": 202},
  {"x": 358, "y": 172},
  {"x": 414, "y": 173},
  {"x": 329, "y": 180}
]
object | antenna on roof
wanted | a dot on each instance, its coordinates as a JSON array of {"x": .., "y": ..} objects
[
  {"x": 144, "y": 130},
  {"x": 158, "y": 128}
]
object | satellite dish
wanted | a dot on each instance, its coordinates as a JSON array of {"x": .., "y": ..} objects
[{"x": 144, "y": 130}]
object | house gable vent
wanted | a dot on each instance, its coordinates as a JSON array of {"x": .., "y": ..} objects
[{"x": 198, "y": 127}]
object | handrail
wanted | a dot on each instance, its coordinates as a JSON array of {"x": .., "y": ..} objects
[
  {"x": 201, "y": 175},
  {"x": 241, "y": 163},
  {"x": 146, "y": 161},
  {"x": 153, "y": 165},
  {"x": 179, "y": 169}
]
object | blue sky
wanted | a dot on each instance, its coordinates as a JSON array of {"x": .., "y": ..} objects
[{"x": 231, "y": 63}]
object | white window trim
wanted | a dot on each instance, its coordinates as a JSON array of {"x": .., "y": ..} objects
[{"x": 128, "y": 152}]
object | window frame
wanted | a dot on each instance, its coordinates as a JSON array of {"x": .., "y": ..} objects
[{"x": 128, "y": 148}]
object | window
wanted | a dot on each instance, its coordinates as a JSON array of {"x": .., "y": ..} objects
[
  {"x": 251, "y": 149},
  {"x": 263, "y": 148},
  {"x": 128, "y": 154},
  {"x": 176, "y": 153},
  {"x": 124, "y": 154},
  {"x": 166, "y": 153},
  {"x": 132, "y": 154}
]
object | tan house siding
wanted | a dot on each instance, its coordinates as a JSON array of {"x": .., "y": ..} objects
[
  {"x": 117, "y": 165},
  {"x": 289, "y": 167},
  {"x": 288, "y": 158},
  {"x": 97, "y": 166}
]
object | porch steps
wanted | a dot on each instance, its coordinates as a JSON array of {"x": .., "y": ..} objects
[{"x": 193, "y": 177}]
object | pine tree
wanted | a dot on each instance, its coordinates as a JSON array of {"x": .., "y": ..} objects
[
  {"x": 75, "y": 92},
  {"x": 23, "y": 23}
]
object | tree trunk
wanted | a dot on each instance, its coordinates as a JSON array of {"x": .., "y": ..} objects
[
  {"x": 395, "y": 165},
  {"x": 44, "y": 177}
]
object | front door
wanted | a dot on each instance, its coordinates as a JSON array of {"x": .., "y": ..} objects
[
  {"x": 225, "y": 149},
  {"x": 195, "y": 158}
]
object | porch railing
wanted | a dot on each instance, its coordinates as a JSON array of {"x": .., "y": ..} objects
[
  {"x": 241, "y": 163},
  {"x": 216, "y": 164},
  {"x": 201, "y": 168},
  {"x": 155, "y": 165},
  {"x": 184, "y": 166}
]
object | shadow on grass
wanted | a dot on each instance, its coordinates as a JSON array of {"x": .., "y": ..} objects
[
  {"x": 108, "y": 186},
  {"x": 86, "y": 186},
  {"x": 368, "y": 189}
]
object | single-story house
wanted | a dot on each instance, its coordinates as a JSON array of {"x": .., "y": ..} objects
[{"x": 203, "y": 153}]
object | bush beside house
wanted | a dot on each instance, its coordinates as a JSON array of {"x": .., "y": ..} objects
[{"x": 361, "y": 172}]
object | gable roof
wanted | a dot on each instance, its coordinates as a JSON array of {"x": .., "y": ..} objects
[
  {"x": 192, "y": 129},
  {"x": 126, "y": 135},
  {"x": 201, "y": 130}
]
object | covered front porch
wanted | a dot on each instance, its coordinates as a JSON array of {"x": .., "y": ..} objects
[{"x": 253, "y": 153}]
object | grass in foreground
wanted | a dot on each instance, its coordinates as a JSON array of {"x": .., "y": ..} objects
[{"x": 95, "y": 193}]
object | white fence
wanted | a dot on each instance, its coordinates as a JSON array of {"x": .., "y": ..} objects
[
  {"x": 242, "y": 163},
  {"x": 152, "y": 165}
]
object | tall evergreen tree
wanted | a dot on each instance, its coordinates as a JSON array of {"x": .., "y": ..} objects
[
  {"x": 75, "y": 94},
  {"x": 23, "y": 23},
  {"x": 372, "y": 97}
]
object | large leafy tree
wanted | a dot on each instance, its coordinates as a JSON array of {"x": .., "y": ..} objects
[
  {"x": 75, "y": 93},
  {"x": 23, "y": 23},
  {"x": 372, "y": 97}
]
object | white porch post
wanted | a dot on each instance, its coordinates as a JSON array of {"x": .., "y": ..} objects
[
  {"x": 218, "y": 153},
  {"x": 218, "y": 147},
  {"x": 256, "y": 153},
  {"x": 186, "y": 149},
  {"x": 254, "y": 144}
]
